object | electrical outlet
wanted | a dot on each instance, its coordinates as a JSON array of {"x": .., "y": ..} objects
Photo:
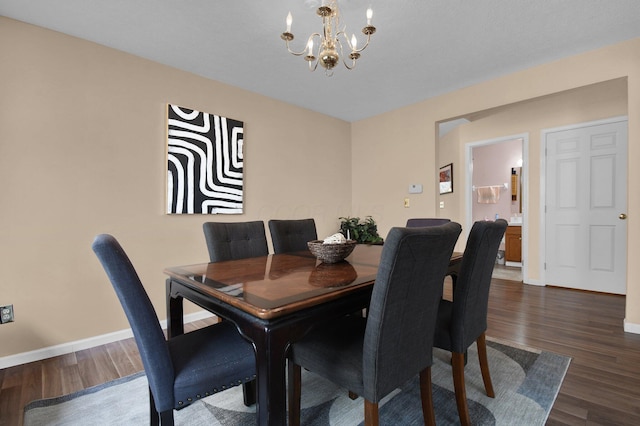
[
  {"x": 406, "y": 202},
  {"x": 6, "y": 314}
]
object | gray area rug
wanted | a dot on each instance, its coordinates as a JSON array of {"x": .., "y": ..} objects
[{"x": 526, "y": 383}]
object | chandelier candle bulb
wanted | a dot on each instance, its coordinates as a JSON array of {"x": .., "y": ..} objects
[
  {"x": 289, "y": 21},
  {"x": 354, "y": 42},
  {"x": 369, "y": 16}
]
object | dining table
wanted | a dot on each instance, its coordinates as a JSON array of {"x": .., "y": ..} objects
[{"x": 274, "y": 300}]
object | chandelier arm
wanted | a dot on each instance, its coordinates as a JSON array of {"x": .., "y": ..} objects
[
  {"x": 352, "y": 56},
  {"x": 304, "y": 50},
  {"x": 346, "y": 38},
  {"x": 315, "y": 65},
  {"x": 296, "y": 53},
  {"x": 365, "y": 45},
  {"x": 347, "y": 66}
]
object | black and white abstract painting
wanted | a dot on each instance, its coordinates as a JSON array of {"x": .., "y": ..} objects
[{"x": 205, "y": 163}]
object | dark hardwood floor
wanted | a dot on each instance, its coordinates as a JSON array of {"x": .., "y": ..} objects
[{"x": 602, "y": 385}]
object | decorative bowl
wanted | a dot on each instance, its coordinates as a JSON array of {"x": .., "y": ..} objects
[{"x": 331, "y": 253}]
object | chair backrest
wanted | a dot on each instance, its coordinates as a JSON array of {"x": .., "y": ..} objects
[
  {"x": 471, "y": 292},
  {"x": 431, "y": 221},
  {"x": 238, "y": 240},
  {"x": 142, "y": 318},
  {"x": 292, "y": 235},
  {"x": 404, "y": 305}
]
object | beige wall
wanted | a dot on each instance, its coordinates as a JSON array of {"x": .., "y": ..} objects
[
  {"x": 389, "y": 153},
  {"x": 416, "y": 154},
  {"x": 83, "y": 151}
]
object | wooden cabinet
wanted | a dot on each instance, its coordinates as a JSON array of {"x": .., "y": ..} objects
[{"x": 513, "y": 244}]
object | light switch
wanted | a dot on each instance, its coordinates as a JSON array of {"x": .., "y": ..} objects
[
  {"x": 406, "y": 202},
  {"x": 442, "y": 204}
]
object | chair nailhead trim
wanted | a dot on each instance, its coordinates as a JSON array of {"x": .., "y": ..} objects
[{"x": 216, "y": 390}]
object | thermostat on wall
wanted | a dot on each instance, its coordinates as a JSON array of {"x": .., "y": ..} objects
[{"x": 415, "y": 188}]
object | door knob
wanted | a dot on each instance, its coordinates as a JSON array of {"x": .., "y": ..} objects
[{"x": 622, "y": 216}]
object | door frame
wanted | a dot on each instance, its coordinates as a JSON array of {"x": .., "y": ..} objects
[
  {"x": 543, "y": 181},
  {"x": 468, "y": 195}
]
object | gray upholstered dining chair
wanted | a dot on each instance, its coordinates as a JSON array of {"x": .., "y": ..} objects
[
  {"x": 464, "y": 320},
  {"x": 430, "y": 221},
  {"x": 231, "y": 241},
  {"x": 236, "y": 240},
  {"x": 373, "y": 356},
  {"x": 292, "y": 235},
  {"x": 187, "y": 367}
]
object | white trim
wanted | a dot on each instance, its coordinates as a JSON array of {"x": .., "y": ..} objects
[
  {"x": 543, "y": 179},
  {"x": 533, "y": 282},
  {"x": 630, "y": 327},
  {"x": 525, "y": 190},
  {"x": 78, "y": 345}
]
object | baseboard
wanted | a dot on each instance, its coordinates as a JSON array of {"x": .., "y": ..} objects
[
  {"x": 631, "y": 327},
  {"x": 533, "y": 282},
  {"x": 78, "y": 345}
]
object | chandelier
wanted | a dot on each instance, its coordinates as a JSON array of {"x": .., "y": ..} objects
[{"x": 329, "y": 42}]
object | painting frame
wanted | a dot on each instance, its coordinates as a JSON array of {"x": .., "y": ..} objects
[{"x": 445, "y": 179}]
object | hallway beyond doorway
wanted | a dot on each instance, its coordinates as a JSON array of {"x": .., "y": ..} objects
[{"x": 507, "y": 273}]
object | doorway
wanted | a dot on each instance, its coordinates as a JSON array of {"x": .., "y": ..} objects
[{"x": 497, "y": 187}]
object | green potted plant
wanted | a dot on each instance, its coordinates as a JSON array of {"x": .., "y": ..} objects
[{"x": 363, "y": 232}]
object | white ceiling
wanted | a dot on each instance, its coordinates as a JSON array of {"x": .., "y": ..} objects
[{"x": 422, "y": 48}]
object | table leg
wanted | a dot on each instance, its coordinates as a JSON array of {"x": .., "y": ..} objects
[
  {"x": 175, "y": 313},
  {"x": 271, "y": 348}
]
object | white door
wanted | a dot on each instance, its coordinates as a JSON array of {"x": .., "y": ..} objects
[{"x": 586, "y": 202}]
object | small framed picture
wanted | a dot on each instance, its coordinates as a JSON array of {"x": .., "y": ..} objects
[{"x": 446, "y": 179}]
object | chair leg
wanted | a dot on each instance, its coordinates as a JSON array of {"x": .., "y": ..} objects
[
  {"x": 457, "y": 364},
  {"x": 154, "y": 417},
  {"x": 426, "y": 395},
  {"x": 294, "y": 391},
  {"x": 371, "y": 413},
  {"x": 249, "y": 393},
  {"x": 166, "y": 418},
  {"x": 159, "y": 419},
  {"x": 484, "y": 365}
]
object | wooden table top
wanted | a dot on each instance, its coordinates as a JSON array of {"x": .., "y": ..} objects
[
  {"x": 274, "y": 285},
  {"x": 271, "y": 286}
]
